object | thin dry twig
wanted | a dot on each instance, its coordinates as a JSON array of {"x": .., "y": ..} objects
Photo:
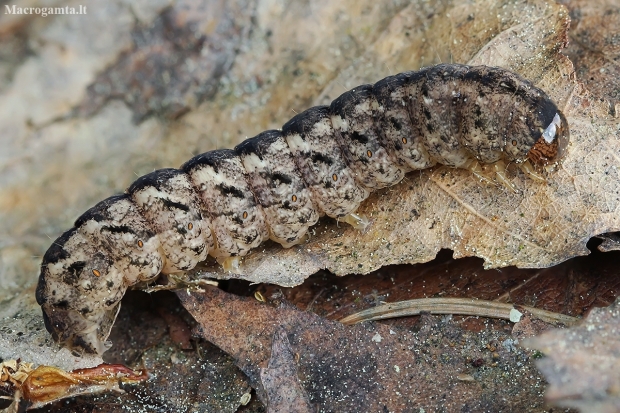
[{"x": 460, "y": 306}]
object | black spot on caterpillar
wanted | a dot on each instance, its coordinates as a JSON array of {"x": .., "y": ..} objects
[{"x": 276, "y": 185}]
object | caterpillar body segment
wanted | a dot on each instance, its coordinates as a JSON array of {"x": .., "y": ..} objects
[
  {"x": 318, "y": 156},
  {"x": 279, "y": 187},
  {"x": 168, "y": 201},
  {"x": 353, "y": 118},
  {"x": 398, "y": 121},
  {"x": 238, "y": 222}
]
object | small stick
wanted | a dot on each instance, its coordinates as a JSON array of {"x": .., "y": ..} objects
[{"x": 460, "y": 306}]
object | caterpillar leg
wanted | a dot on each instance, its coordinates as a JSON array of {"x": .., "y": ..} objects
[
  {"x": 357, "y": 221},
  {"x": 500, "y": 175},
  {"x": 497, "y": 175},
  {"x": 478, "y": 171},
  {"x": 529, "y": 170},
  {"x": 230, "y": 264}
]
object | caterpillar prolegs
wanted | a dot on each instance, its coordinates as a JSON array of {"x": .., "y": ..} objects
[{"x": 324, "y": 161}]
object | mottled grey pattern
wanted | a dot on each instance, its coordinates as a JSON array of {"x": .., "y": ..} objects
[
  {"x": 356, "y": 132},
  {"x": 168, "y": 201},
  {"x": 402, "y": 133},
  {"x": 278, "y": 186},
  {"x": 325, "y": 160},
  {"x": 437, "y": 110},
  {"x": 238, "y": 222},
  {"x": 311, "y": 138}
]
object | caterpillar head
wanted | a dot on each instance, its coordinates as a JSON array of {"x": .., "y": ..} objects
[
  {"x": 79, "y": 292},
  {"x": 86, "y": 271},
  {"x": 550, "y": 148}
]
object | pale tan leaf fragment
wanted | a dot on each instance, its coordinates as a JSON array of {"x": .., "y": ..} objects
[{"x": 611, "y": 242}]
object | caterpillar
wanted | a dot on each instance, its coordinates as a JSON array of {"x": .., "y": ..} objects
[{"x": 276, "y": 185}]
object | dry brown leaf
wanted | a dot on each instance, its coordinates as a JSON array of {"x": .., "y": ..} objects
[
  {"x": 583, "y": 363},
  {"x": 47, "y": 384},
  {"x": 280, "y": 380},
  {"x": 368, "y": 367}
]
